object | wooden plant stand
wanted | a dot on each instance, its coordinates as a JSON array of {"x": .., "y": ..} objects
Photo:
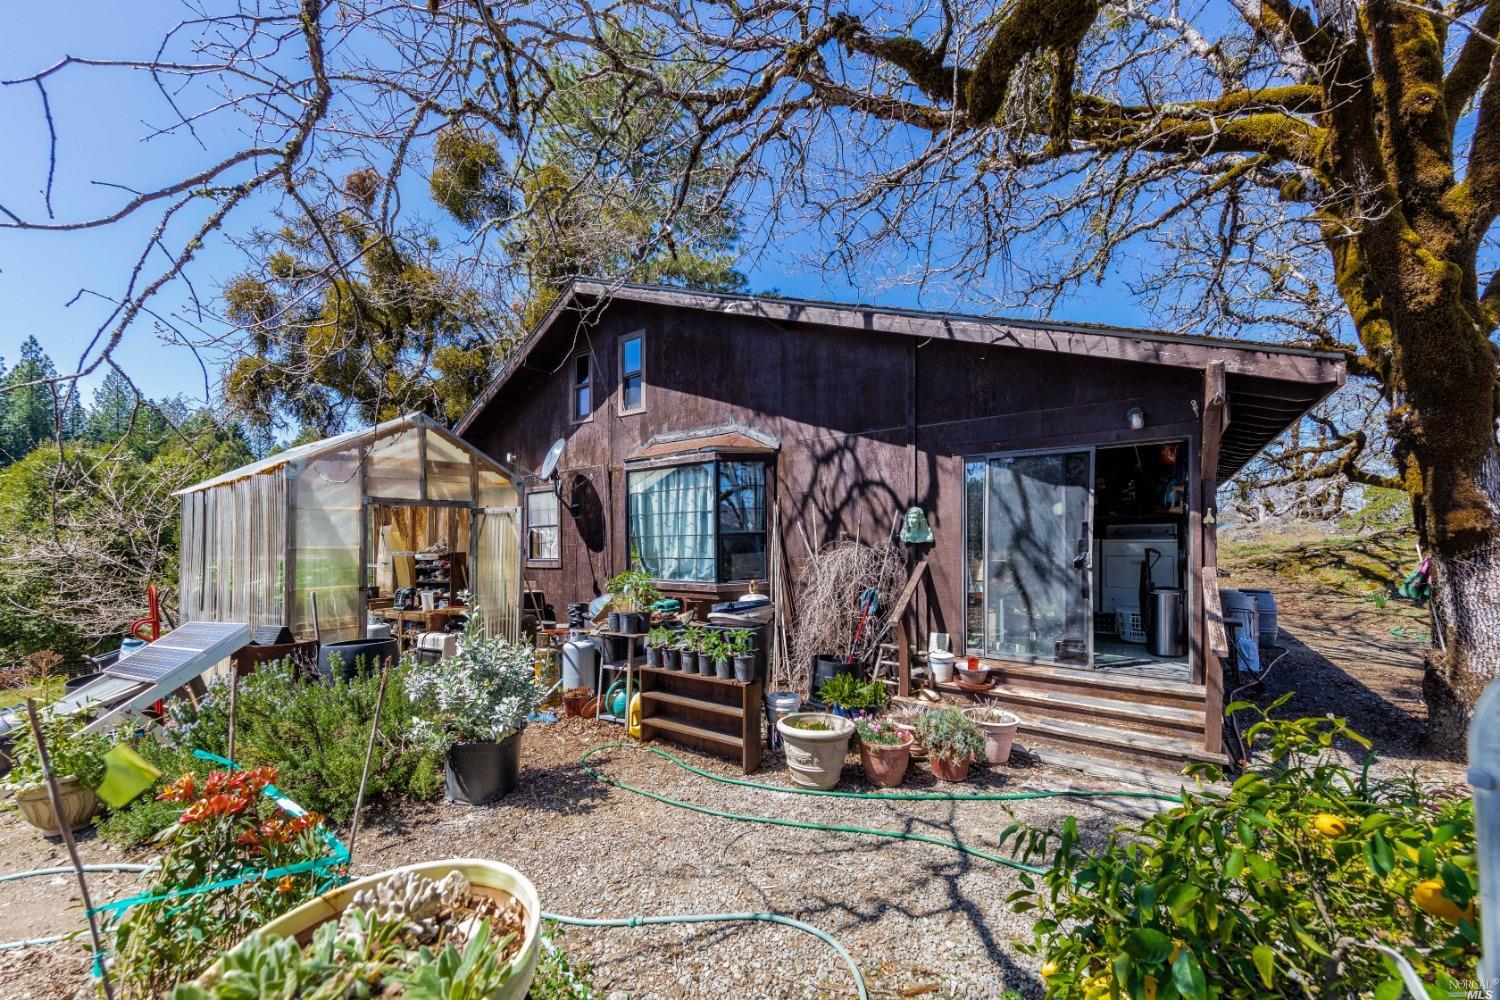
[{"x": 721, "y": 717}]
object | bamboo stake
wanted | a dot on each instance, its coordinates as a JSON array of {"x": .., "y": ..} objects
[
  {"x": 234, "y": 702},
  {"x": 67, "y": 836},
  {"x": 359, "y": 799}
]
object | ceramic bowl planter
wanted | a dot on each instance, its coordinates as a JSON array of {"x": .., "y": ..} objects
[
  {"x": 477, "y": 773},
  {"x": 492, "y": 879},
  {"x": 79, "y": 805},
  {"x": 815, "y": 756},
  {"x": 884, "y": 763},
  {"x": 999, "y": 731}
]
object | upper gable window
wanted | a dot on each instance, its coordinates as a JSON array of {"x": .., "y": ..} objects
[
  {"x": 583, "y": 387},
  {"x": 632, "y": 373}
]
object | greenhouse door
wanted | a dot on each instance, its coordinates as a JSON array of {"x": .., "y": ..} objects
[{"x": 496, "y": 577}]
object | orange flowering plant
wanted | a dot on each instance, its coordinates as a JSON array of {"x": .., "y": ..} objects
[{"x": 234, "y": 860}]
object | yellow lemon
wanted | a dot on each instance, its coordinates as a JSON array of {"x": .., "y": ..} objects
[
  {"x": 1429, "y": 896},
  {"x": 1329, "y": 825}
]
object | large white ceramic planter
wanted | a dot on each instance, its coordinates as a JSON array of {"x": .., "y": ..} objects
[
  {"x": 999, "y": 735},
  {"x": 484, "y": 876},
  {"x": 815, "y": 756}
]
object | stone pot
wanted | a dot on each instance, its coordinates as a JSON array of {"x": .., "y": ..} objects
[
  {"x": 815, "y": 756},
  {"x": 885, "y": 766},
  {"x": 945, "y": 771},
  {"x": 998, "y": 736},
  {"x": 79, "y": 805}
]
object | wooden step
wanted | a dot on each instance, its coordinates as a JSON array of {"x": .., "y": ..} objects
[
  {"x": 700, "y": 704},
  {"x": 1099, "y": 683},
  {"x": 682, "y": 727},
  {"x": 1157, "y": 779},
  {"x": 1153, "y": 748},
  {"x": 1167, "y": 720}
]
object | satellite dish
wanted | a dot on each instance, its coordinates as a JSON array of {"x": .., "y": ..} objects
[{"x": 554, "y": 455}]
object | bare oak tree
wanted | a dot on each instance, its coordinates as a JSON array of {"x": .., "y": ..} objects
[{"x": 1329, "y": 167}]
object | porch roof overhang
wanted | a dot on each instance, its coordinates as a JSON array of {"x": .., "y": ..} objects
[
  {"x": 1270, "y": 386},
  {"x": 665, "y": 449}
]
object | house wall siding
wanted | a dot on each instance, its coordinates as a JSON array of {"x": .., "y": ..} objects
[{"x": 868, "y": 423}]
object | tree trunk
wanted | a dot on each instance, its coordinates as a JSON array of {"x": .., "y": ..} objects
[{"x": 1466, "y": 596}]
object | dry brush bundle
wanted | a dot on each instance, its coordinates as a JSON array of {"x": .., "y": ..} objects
[{"x": 827, "y": 608}]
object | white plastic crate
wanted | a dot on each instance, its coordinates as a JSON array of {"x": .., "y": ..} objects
[{"x": 1129, "y": 625}]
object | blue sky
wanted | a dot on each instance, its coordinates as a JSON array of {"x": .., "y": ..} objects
[{"x": 104, "y": 117}]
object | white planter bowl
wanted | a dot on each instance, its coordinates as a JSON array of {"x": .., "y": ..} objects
[{"x": 815, "y": 756}]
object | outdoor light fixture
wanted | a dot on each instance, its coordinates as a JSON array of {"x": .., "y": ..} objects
[{"x": 1137, "y": 418}]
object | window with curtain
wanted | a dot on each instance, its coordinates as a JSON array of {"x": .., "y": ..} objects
[
  {"x": 699, "y": 523},
  {"x": 541, "y": 526}
]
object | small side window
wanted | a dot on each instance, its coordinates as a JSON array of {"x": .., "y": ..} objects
[
  {"x": 583, "y": 387},
  {"x": 541, "y": 527},
  {"x": 632, "y": 374}
]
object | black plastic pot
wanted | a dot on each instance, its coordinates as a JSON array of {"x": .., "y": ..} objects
[
  {"x": 744, "y": 668},
  {"x": 670, "y": 659},
  {"x": 826, "y": 667},
  {"x": 635, "y": 621},
  {"x": 476, "y": 773},
  {"x": 705, "y": 665},
  {"x": 357, "y": 656},
  {"x": 614, "y": 621},
  {"x": 723, "y": 669},
  {"x": 653, "y": 656},
  {"x": 615, "y": 648}
]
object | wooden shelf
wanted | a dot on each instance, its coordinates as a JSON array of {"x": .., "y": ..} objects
[{"x": 716, "y": 715}]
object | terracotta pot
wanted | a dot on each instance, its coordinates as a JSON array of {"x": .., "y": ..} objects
[
  {"x": 998, "y": 736},
  {"x": 885, "y": 766},
  {"x": 815, "y": 756},
  {"x": 488, "y": 878},
  {"x": 949, "y": 772},
  {"x": 580, "y": 706},
  {"x": 79, "y": 805}
]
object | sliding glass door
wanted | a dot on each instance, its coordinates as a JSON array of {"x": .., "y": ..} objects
[{"x": 1028, "y": 556}]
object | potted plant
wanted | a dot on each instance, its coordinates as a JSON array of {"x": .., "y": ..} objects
[
  {"x": 952, "y": 742},
  {"x": 717, "y": 646},
  {"x": 847, "y": 695},
  {"x": 703, "y": 641},
  {"x": 657, "y": 641},
  {"x": 884, "y": 752},
  {"x": 637, "y": 593},
  {"x": 474, "y": 707},
  {"x": 465, "y": 927},
  {"x": 816, "y": 745},
  {"x": 743, "y": 654},
  {"x": 999, "y": 728},
  {"x": 77, "y": 760}
]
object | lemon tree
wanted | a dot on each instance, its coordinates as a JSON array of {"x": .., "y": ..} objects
[{"x": 1278, "y": 885}]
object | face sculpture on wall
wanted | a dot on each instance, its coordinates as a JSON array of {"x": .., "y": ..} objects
[{"x": 914, "y": 527}]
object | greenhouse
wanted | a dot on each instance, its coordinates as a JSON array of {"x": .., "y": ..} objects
[{"x": 383, "y": 523}]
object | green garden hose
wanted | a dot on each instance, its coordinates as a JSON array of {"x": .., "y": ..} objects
[{"x": 714, "y": 918}]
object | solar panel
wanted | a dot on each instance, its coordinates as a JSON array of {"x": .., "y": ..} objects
[{"x": 173, "y": 651}]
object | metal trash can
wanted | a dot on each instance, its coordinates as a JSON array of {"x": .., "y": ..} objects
[{"x": 1167, "y": 633}]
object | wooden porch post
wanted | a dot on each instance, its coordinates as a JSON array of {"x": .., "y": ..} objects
[{"x": 1213, "y": 646}]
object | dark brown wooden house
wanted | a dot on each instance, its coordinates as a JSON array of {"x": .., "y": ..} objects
[{"x": 1050, "y": 459}]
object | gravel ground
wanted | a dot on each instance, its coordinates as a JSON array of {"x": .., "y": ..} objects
[
  {"x": 913, "y": 915},
  {"x": 920, "y": 920}
]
